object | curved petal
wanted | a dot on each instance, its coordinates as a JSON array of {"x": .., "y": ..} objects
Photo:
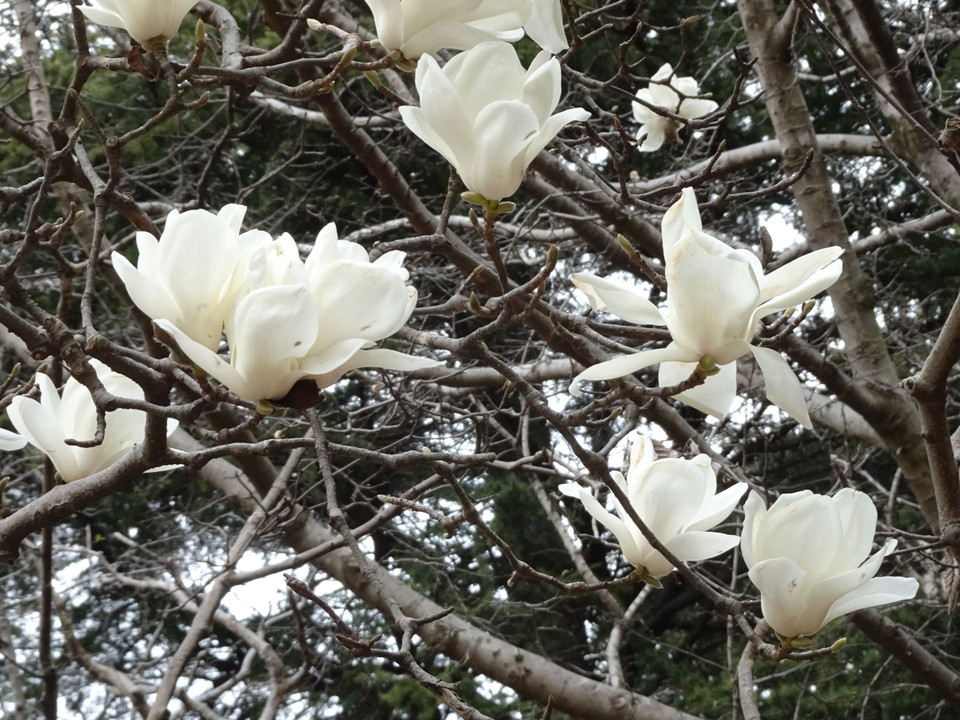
[
  {"x": 641, "y": 113},
  {"x": 634, "y": 555},
  {"x": 782, "y": 385},
  {"x": 858, "y": 518},
  {"x": 442, "y": 122},
  {"x": 714, "y": 397},
  {"x": 835, "y": 586},
  {"x": 694, "y": 108},
  {"x": 783, "y": 598},
  {"x": 663, "y": 95},
  {"x": 626, "y": 302},
  {"x": 541, "y": 87},
  {"x": 653, "y": 133},
  {"x": 874, "y": 592},
  {"x": 273, "y": 328},
  {"x": 683, "y": 215},
  {"x": 553, "y": 125},
  {"x": 373, "y": 357},
  {"x": 799, "y": 280},
  {"x": 388, "y": 19},
  {"x": 718, "y": 507},
  {"x": 628, "y": 364},
  {"x": 545, "y": 26},
  {"x": 789, "y": 528},
  {"x": 673, "y": 490},
  {"x": 210, "y": 362},
  {"x": 356, "y": 300},
  {"x": 491, "y": 72},
  {"x": 712, "y": 292},
  {"x": 101, "y": 16},
  {"x": 11, "y": 440},
  {"x": 42, "y": 429},
  {"x": 503, "y": 131},
  {"x": 754, "y": 511},
  {"x": 696, "y": 545}
]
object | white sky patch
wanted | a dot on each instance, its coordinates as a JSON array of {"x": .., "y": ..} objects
[{"x": 783, "y": 234}]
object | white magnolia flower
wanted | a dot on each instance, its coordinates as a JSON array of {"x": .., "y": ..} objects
[
  {"x": 808, "y": 555},
  {"x": 716, "y": 297},
  {"x": 192, "y": 274},
  {"x": 414, "y": 28},
  {"x": 49, "y": 423},
  {"x": 677, "y": 499},
  {"x": 313, "y": 320},
  {"x": 150, "y": 22},
  {"x": 487, "y": 115},
  {"x": 679, "y": 96}
]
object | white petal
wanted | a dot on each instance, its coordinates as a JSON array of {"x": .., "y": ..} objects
[
  {"x": 712, "y": 292},
  {"x": 210, "y": 362},
  {"x": 858, "y": 518},
  {"x": 878, "y": 591},
  {"x": 754, "y": 511},
  {"x": 274, "y": 327},
  {"x": 718, "y": 507},
  {"x": 355, "y": 300},
  {"x": 627, "y": 303},
  {"x": 41, "y": 427},
  {"x": 541, "y": 87},
  {"x": 545, "y": 26},
  {"x": 628, "y": 364},
  {"x": 714, "y": 397},
  {"x": 628, "y": 546},
  {"x": 550, "y": 129},
  {"x": 786, "y": 606},
  {"x": 11, "y": 440},
  {"x": 374, "y": 357},
  {"x": 799, "y": 280},
  {"x": 696, "y": 545},
  {"x": 782, "y": 385},
  {"x": 694, "y": 108},
  {"x": 653, "y": 133},
  {"x": 682, "y": 216},
  {"x": 503, "y": 131}
]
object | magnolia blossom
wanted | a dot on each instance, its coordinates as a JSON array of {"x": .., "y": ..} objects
[
  {"x": 192, "y": 274},
  {"x": 677, "y": 500},
  {"x": 150, "y": 22},
  {"x": 487, "y": 115},
  {"x": 808, "y": 555},
  {"x": 48, "y": 424},
  {"x": 312, "y": 320},
  {"x": 715, "y": 298},
  {"x": 414, "y": 28},
  {"x": 676, "y": 94}
]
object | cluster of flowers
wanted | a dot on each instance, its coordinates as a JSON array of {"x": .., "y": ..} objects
[
  {"x": 807, "y": 554},
  {"x": 482, "y": 111},
  {"x": 287, "y": 320}
]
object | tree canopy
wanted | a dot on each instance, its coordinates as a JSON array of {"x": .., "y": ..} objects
[{"x": 312, "y": 421}]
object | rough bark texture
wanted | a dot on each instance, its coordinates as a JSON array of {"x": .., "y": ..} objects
[{"x": 893, "y": 414}]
